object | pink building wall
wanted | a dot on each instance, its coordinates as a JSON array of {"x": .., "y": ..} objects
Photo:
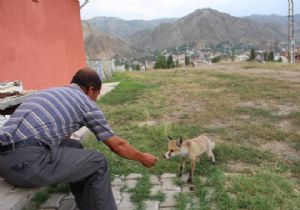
[{"x": 41, "y": 42}]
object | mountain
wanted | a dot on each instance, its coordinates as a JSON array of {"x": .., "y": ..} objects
[
  {"x": 125, "y": 28},
  {"x": 205, "y": 26},
  {"x": 273, "y": 19},
  {"x": 102, "y": 45},
  {"x": 281, "y": 22},
  {"x": 106, "y": 36}
]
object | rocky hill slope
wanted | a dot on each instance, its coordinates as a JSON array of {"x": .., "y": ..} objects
[{"x": 108, "y": 37}]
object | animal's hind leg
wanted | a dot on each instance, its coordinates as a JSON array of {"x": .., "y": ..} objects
[{"x": 182, "y": 164}]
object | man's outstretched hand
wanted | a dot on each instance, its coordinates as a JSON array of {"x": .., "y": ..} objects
[
  {"x": 125, "y": 150},
  {"x": 148, "y": 160}
]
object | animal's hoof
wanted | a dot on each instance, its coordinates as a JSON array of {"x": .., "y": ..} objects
[
  {"x": 215, "y": 162},
  {"x": 192, "y": 188},
  {"x": 190, "y": 180},
  {"x": 179, "y": 175}
]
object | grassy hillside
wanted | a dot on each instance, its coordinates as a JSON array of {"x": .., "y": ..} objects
[{"x": 252, "y": 111}]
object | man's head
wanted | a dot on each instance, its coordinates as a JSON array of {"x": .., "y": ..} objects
[{"x": 89, "y": 82}]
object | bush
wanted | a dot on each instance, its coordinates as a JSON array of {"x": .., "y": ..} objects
[{"x": 216, "y": 59}]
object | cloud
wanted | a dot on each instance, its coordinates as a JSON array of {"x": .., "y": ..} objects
[{"x": 153, "y": 9}]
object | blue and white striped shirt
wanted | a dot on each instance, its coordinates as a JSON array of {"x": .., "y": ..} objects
[{"x": 53, "y": 115}]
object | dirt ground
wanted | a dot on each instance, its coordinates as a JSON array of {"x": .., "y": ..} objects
[
  {"x": 286, "y": 75},
  {"x": 282, "y": 149}
]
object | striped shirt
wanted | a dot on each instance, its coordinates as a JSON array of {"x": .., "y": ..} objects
[{"x": 53, "y": 115}]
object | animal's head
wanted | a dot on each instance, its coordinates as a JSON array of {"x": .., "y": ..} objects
[{"x": 173, "y": 147}]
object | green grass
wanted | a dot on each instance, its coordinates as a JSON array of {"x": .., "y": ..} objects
[
  {"x": 213, "y": 193},
  {"x": 42, "y": 196},
  {"x": 264, "y": 191},
  {"x": 270, "y": 65},
  {"x": 295, "y": 117},
  {"x": 187, "y": 102},
  {"x": 37, "y": 200},
  {"x": 184, "y": 201},
  {"x": 217, "y": 180},
  {"x": 127, "y": 92},
  {"x": 246, "y": 154},
  {"x": 141, "y": 192}
]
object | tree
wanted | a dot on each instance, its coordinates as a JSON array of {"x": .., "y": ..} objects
[
  {"x": 232, "y": 54},
  {"x": 252, "y": 54},
  {"x": 160, "y": 62},
  {"x": 187, "y": 60},
  {"x": 265, "y": 56},
  {"x": 216, "y": 59},
  {"x": 126, "y": 66},
  {"x": 271, "y": 56},
  {"x": 170, "y": 62},
  {"x": 136, "y": 67}
]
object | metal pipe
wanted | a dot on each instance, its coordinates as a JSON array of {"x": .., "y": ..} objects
[
  {"x": 86, "y": 1},
  {"x": 291, "y": 32}
]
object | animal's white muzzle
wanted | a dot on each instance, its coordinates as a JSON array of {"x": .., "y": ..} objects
[{"x": 167, "y": 155}]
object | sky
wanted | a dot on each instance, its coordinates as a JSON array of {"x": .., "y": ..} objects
[{"x": 155, "y": 9}]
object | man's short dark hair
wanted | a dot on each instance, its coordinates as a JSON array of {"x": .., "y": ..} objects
[{"x": 86, "y": 78}]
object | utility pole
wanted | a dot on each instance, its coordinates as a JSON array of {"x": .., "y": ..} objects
[{"x": 291, "y": 32}]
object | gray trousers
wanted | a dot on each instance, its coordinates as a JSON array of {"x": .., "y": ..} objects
[{"x": 85, "y": 170}]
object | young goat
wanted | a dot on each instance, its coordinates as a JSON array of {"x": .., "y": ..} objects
[{"x": 191, "y": 149}]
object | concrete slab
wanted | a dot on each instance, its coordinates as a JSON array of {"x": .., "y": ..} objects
[
  {"x": 67, "y": 205},
  {"x": 154, "y": 180},
  {"x": 152, "y": 205},
  {"x": 53, "y": 201},
  {"x": 170, "y": 200},
  {"x": 16, "y": 199}
]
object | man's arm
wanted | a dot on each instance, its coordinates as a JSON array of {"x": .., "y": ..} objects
[{"x": 125, "y": 150}]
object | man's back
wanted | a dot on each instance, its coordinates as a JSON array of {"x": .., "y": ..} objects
[{"x": 50, "y": 116}]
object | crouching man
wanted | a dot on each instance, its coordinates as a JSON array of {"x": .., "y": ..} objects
[{"x": 35, "y": 148}]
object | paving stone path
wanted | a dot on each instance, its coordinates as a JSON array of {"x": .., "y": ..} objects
[{"x": 121, "y": 186}]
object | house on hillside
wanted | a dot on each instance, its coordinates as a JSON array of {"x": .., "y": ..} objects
[
  {"x": 150, "y": 65},
  {"x": 104, "y": 68},
  {"x": 297, "y": 57},
  {"x": 260, "y": 56},
  {"x": 180, "y": 58},
  {"x": 41, "y": 42},
  {"x": 241, "y": 58},
  {"x": 297, "y": 54},
  {"x": 201, "y": 59}
]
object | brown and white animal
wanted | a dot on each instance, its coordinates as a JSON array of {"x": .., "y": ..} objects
[{"x": 191, "y": 149}]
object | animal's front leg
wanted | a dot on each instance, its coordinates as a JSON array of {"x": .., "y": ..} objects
[
  {"x": 182, "y": 164},
  {"x": 193, "y": 163},
  {"x": 211, "y": 154}
]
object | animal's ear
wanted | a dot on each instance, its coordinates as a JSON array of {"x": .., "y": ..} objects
[
  {"x": 170, "y": 138},
  {"x": 179, "y": 142}
]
